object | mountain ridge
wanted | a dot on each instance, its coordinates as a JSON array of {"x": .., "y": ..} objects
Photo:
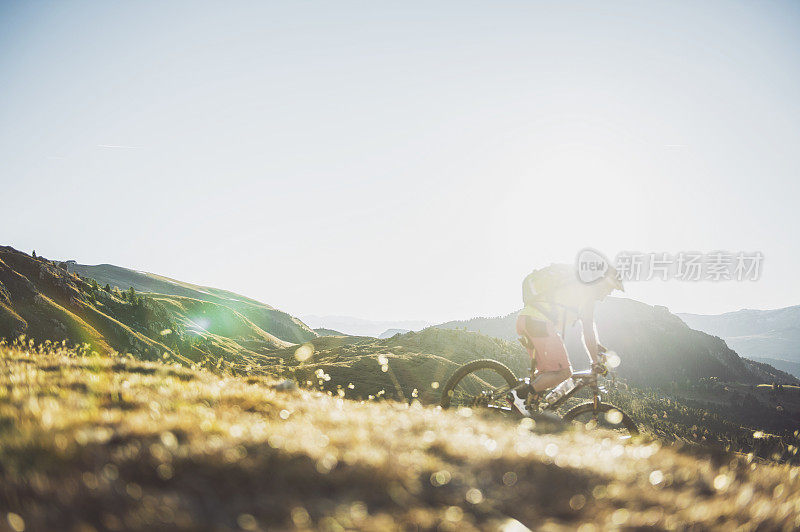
[
  {"x": 361, "y": 326},
  {"x": 756, "y": 334},
  {"x": 636, "y": 331}
]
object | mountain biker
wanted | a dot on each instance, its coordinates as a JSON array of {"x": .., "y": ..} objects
[{"x": 555, "y": 299}]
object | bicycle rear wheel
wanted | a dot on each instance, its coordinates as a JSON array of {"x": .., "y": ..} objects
[
  {"x": 604, "y": 416},
  {"x": 481, "y": 383}
]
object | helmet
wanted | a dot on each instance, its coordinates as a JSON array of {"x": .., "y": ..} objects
[{"x": 613, "y": 275}]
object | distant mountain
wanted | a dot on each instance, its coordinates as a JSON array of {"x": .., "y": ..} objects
[
  {"x": 499, "y": 326},
  {"x": 792, "y": 368},
  {"x": 388, "y": 333},
  {"x": 361, "y": 327},
  {"x": 656, "y": 347},
  {"x": 328, "y": 332},
  {"x": 756, "y": 334}
]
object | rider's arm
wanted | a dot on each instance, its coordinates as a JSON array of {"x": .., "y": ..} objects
[{"x": 590, "y": 333}]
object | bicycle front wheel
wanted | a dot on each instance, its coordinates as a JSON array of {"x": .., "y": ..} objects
[
  {"x": 481, "y": 383},
  {"x": 603, "y": 416}
]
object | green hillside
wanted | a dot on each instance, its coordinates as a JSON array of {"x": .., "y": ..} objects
[
  {"x": 269, "y": 319},
  {"x": 44, "y": 302},
  {"x": 110, "y": 443},
  {"x": 400, "y": 367}
]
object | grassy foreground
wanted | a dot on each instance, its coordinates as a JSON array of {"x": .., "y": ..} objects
[{"x": 109, "y": 443}]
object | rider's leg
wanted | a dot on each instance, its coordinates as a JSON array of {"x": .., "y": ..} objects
[
  {"x": 528, "y": 329},
  {"x": 521, "y": 396},
  {"x": 552, "y": 361},
  {"x": 545, "y": 380},
  {"x": 527, "y": 333}
]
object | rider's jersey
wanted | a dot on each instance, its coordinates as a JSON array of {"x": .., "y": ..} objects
[{"x": 562, "y": 306}]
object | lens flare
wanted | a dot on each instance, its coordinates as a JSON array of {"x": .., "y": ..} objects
[
  {"x": 614, "y": 417},
  {"x": 304, "y": 352}
]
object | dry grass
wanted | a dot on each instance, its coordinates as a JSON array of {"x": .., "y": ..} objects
[{"x": 111, "y": 443}]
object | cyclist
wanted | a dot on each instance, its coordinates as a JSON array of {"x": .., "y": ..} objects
[{"x": 554, "y": 300}]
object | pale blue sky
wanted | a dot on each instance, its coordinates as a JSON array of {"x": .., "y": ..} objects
[{"x": 408, "y": 160}]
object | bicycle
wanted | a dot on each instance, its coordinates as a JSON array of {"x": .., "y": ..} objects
[{"x": 485, "y": 383}]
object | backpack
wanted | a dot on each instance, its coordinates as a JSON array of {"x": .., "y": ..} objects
[{"x": 540, "y": 285}]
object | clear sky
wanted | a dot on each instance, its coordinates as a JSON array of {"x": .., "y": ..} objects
[{"x": 405, "y": 160}]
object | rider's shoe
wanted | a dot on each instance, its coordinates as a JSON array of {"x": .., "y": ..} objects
[
  {"x": 523, "y": 399},
  {"x": 517, "y": 402}
]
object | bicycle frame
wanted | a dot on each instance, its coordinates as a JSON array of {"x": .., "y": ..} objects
[{"x": 584, "y": 379}]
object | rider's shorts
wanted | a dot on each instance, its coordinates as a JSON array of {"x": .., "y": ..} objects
[{"x": 551, "y": 355}]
